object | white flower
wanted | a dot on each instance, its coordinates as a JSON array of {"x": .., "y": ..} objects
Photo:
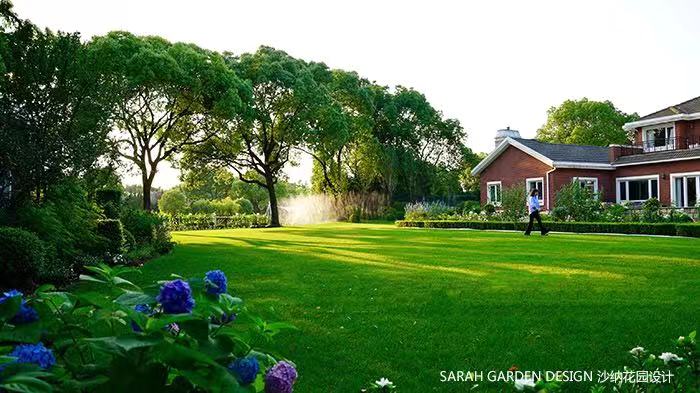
[
  {"x": 521, "y": 384},
  {"x": 669, "y": 357},
  {"x": 383, "y": 382},
  {"x": 636, "y": 351}
]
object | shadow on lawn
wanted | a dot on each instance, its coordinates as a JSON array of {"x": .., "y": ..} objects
[{"x": 473, "y": 262}]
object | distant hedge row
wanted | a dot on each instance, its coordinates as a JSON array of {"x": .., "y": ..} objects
[
  {"x": 638, "y": 228},
  {"x": 189, "y": 222}
]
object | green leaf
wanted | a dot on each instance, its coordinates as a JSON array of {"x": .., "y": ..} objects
[
  {"x": 85, "y": 277},
  {"x": 9, "y": 307},
  {"x": 131, "y": 298},
  {"x": 26, "y": 382},
  {"x": 28, "y": 333},
  {"x": 126, "y": 343}
]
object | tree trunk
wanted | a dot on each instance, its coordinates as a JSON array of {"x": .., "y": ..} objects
[
  {"x": 274, "y": 210},
  {"x": 147, "y": 183}
]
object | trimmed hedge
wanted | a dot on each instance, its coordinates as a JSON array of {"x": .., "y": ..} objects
[
  {"x": 22, "y": 256},
  {"x": 188, "y": 222},
  {"x": 637, "y": 228},
  {"x": 113, "y": 232}
]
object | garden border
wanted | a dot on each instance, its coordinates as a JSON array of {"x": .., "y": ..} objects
[{"x": 657, "y": 229}]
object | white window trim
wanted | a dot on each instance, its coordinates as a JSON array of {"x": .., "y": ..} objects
[
  {"x": 527, "y": 188},
  {"x": 673, "y": 177},
  {"x": 593, "y": 179},
  {"x": 493, "y": 183},
  {"x": 627, "y": 191},
  {"x": 665, "y": 126}
]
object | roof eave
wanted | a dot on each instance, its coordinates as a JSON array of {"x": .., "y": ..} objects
[
  {"x": 658, "y": 120},
  {"x": 501, "y": 148}
]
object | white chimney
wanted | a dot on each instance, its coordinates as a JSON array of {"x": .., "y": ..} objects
[{"x": 506, "y": 133}]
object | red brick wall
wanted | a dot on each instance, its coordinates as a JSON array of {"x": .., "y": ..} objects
[
  {"x": 564, "y": 176},
  {"x": 664, "y": 171},
  {"x": 512, "y": 167}
]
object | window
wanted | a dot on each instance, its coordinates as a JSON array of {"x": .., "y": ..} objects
[
  {"x": 493, "y": 192},
  {"x": 659, "y": 138},
  {"x": 685, "y": 189},
  {"x": 637, "y": 189},
  {"x": 590, "y": 183},
  {"x": 535, "y": 183}
]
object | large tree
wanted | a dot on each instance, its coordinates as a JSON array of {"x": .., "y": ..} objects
[
  {"x": 287, "y": 92},
  {"x": 336, "y": 128},
  {"x": 53, "y": 108},
  {"x": 586, "y": 122},
  {"x": 169, "y": 96}
]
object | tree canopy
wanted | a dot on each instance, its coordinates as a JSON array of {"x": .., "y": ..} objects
[
  {"x": 167, "y": 96},
  {"x": 53, "y": 108},
  {"x": 586, "y": 122}
]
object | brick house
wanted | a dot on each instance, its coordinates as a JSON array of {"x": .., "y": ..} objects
[{"x": 663, "y": 162}]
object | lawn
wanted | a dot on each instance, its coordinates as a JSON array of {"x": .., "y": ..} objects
[{"x": 373, "y": 300}]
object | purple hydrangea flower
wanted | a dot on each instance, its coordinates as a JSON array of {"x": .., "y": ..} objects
[
  {"x": 176, "y": 297},
  {"x": 245, "y": 369},
  {"x": 25, "y": 314},
  {"x": 215, "y": 282},
  {"x": 280, "y": 378},
  {"x": 143, "y": 309},
  {"x": 34, "y": 353}
]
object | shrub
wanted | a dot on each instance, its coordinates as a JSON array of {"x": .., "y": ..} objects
[
  {"x": 201, "y": 206},
  {"x": 489, "y": 209},
  {"x": 651, "y": 210},
  {"x": 688, "y": 230},
  {"x": 173, "y": 201},
  {"x": 113, "y": 233},
  {"x": 21, "y": 257},
  {"x": 124, "y": 338},
  {"x": 513, "y": 203},
  {"x": 244, "y": 206},
  {"x": 110, "y": 201},
  {"x": 666, "y": 229},
  {"x": 580, "y": 202},
  {"x": 393, "y": 212},
  {"x": 188, "y": 222},
  {"x": 129, "y": 239},
  {"x": 677, "y": 216},
  {"x": 615, "y": 213},
  {"x": 430, "y": 210},
  {"x": 467, "y": 207},
  {"x": 355, "y": 214},
  {"x": 225, "y": 207},
  {"x": 141, "y": 224},
  {"x": 559, "y": 213},
  {"x": 66, "y": 221}
]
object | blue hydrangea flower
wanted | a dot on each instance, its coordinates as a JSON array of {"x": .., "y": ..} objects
[
  {"x": 34, "y": 353},
  {"x": 245, "y": 369},
  {"x": 215, "y": 282},
  {"x": 143, "y": 309},
  {"x": 280, "y": 378},
  {"x": 176, "y": 297},
  {"x": 25, "y": 314},
  {"x": 10, "y": 294},
  {"x": 223, "y": 319}
]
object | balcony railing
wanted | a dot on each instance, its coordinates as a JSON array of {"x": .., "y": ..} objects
[{"x": 662, "y": 144}]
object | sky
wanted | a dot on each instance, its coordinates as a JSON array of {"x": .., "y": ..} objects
[{"x": 489, "y": 64}]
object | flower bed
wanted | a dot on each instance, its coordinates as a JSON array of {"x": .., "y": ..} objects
[
  {"x": 177, "y": 335},
  {"x": 667, "y": 229}
]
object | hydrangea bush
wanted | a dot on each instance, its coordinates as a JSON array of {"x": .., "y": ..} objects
[{"x": 176, "y": 335}]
